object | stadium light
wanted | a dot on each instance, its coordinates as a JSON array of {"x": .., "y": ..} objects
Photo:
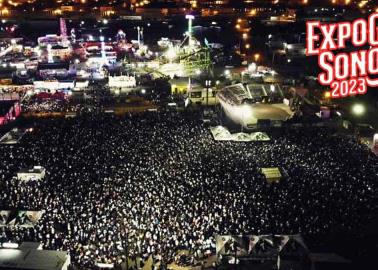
[{"x": 358, "y": 109}]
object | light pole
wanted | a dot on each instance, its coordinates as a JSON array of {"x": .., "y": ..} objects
[
  {"x": 190, "y": 19},
  {"x": 138, "y": 29},
  {"x": 140, "y": 34},
  {"x": 208, "y": 84},
  {"x": 103, "y": 53}
]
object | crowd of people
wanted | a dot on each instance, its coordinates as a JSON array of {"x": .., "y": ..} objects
[
  {"x": 49, "y": 106},
  {"x": 16, "y": 89},
  {"x": 158, "y": 183}
]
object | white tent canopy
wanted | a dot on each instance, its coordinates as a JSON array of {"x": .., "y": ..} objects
[{"x": 221, "y": 133}]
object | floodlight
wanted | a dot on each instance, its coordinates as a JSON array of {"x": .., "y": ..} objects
[{"x": 358, "y": 109}]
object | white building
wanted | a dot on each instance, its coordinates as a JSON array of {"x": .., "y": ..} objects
[
  {"x": 54, "y": 85},
  {"x": 122, "y": 83},
  {"x": 36, "y": 173}
]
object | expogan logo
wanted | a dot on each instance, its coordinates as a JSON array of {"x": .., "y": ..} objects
[{"x": 347, "y": 74}]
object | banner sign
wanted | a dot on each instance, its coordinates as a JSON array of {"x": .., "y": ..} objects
[{"x": 346, "y": 73}]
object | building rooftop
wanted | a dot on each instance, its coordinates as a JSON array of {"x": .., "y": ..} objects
[{"x": 33, "y": 259}]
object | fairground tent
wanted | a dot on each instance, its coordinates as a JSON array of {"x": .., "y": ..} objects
[
  {"x": 241, "y": 137},
  {"x": 245, "y": 245},
  {"x": 221, "y": 133}
]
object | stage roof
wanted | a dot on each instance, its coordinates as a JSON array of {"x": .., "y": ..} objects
[
  {"x": 234, "y": 94},
  {"x": 277, "y": 111}
]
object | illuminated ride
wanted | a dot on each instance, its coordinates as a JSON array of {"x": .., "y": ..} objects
[
  {"x": 100, "y": 53},
  {"x": 187, "y": 58}
]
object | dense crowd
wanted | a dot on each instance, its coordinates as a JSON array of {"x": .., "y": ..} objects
[
  {"x": 11, "y": 89},
  {"x": 14, "y": 92},
  {"x": 49, "y": 106},
  {"x": 160, "y": 183}
]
